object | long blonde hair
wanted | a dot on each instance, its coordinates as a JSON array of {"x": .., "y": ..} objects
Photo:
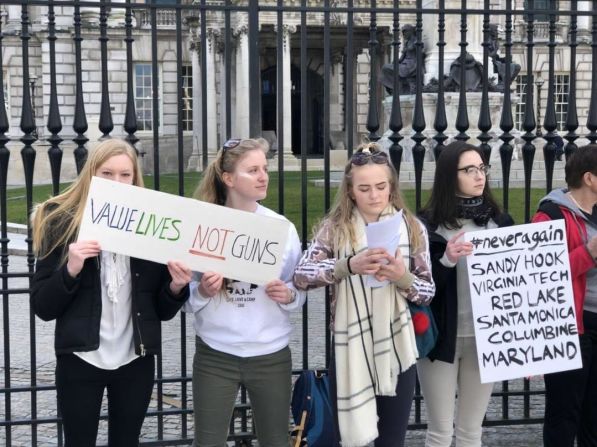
[
  {"x": 340, "y": 214},
  {"x": 56, "y": 221},
  {"x": 212, "y": 188}
]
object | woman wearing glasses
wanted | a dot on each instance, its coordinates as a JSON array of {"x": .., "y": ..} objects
[
  {"x": 373, "y": 373},
  {"x": 460, "y": 202},
  {"x": 242, "y": 329}
]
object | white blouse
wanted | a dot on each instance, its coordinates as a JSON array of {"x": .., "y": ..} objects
[{"x": 116, "y": 347}]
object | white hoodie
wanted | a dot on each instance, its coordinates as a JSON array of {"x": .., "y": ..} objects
[{"x": 245, "y": 322}]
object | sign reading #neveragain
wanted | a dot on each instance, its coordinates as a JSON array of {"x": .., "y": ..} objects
[
  {"x": 522, "y": 301},
  {"x": 160, "y": 227}
]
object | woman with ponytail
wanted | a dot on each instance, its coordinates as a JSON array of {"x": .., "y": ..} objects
[{"x": 242, "y": 330}]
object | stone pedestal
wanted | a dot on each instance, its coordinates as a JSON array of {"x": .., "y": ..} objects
[
  {"x": 474, "y": 37},
  {"x": 407, "y": 103}
]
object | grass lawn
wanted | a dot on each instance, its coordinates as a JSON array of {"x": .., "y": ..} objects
[{"x": 16, "y": 206}]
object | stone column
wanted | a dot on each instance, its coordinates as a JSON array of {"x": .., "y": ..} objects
[
  {"x": 90, "y": 16},
  {"x": 13, "y": 22},
  {"x": 116, "y": 18},
  {"x": 336, "y": 118},
  {"x": 584, "y": 23},
  {"x": 221, "y": 96},
  {"x": 210, "y": 73},
  {"x": 194, "y": 163},
  {"x": 241, "y": 127},
  {"x": 474, "y": 36},
  {"x": 287, "y": 93}
]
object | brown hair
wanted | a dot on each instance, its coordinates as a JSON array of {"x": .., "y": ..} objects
[
  {"x": 341, "y": 211},
  {"x": 211, "y": 188}
]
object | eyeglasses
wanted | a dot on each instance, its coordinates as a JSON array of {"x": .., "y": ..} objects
[
  {"x": 231, "y": 144},
  {"x": 473, "y": 171},
  {"x": 362, "y": 157}
]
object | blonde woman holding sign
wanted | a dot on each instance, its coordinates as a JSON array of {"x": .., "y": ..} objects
[
  {"x": 243, "y": 329},
  {"x": 460, "y": 201},
  {"x": 108, "y": 308},
  {"x": 373, "y": 373}
]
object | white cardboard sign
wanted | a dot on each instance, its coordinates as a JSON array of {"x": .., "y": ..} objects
[
  {"x": 522, "y": 301},
  {"x": 159, "y": 227}
]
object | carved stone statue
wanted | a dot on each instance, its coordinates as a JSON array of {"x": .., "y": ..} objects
[
  {"x": 473, "y": 74},
  {"x": 407, "y": 65},
  {"x": 499, "y": 62}
]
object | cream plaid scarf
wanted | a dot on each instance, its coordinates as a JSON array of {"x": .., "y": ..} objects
[{"x": 374, "y": 342}]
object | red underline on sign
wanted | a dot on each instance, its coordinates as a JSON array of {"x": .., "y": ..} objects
[{"x": 207, "y": 255}]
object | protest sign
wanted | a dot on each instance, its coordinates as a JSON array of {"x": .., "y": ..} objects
[
  {"x": 159, "y": 227},
  {"x": 522, "y": 301}
]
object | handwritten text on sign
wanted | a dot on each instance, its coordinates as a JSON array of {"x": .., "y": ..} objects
[
  {"x": 522, "y": 301},
  {"x": 160, "y": 227}
]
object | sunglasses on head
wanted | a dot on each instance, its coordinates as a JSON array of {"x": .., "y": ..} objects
[
  {"x": 362, "y": 157},
  {"x": 231, "y": 144}
]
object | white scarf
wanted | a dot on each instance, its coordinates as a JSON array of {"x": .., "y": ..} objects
[{"x": 374, "y": 342}]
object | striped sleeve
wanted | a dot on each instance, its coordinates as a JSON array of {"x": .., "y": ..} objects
[
  {"x": 317, "y": 267},
  {"x": 422, "y": 288}
]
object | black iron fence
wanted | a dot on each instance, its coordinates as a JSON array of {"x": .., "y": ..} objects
[{"x": 176, "y": 78}]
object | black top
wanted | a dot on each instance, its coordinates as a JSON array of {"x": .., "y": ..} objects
[
  {"x": 76, "y": 303},
  {"x": 445, "y": 303}
]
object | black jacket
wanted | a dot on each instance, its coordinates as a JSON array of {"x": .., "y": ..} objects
[
  {"x": 445, "y": 303},
  {"x": 76, "y": 304}
]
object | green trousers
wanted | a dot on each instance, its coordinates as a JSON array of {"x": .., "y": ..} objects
[{"x": 217, "y": 377}]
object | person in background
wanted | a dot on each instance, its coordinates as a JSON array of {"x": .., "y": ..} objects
[
  {"x": 460, "y": 201},
  {"x": 373, "y": 368},
  {"x": 243, "y": 330},
  {"x": 108, "y": 309},
  {"x": 571, "y": 396},
  {"x": 559, "y": 143}
]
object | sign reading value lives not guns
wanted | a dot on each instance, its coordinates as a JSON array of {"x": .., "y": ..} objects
[
  {"x": 522, "y": 302},
  {"x": 160, "y": 227}
]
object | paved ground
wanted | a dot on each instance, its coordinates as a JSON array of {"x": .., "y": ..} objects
[{"x": 19, "y": 324}]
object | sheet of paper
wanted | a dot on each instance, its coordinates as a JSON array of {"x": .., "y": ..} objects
[{"x": 383, "y": 234}]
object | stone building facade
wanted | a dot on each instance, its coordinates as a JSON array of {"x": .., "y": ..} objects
[{"x": 215, "y": 70}]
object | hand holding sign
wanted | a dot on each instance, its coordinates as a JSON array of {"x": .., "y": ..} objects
[
  {"x": 78, "y": 252},
  {"x": 181, "y": 276},
  {"x": 278, "y": 291},
  {"x": 210, "y": 284},
  {"x": 457, "y": 247}
]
